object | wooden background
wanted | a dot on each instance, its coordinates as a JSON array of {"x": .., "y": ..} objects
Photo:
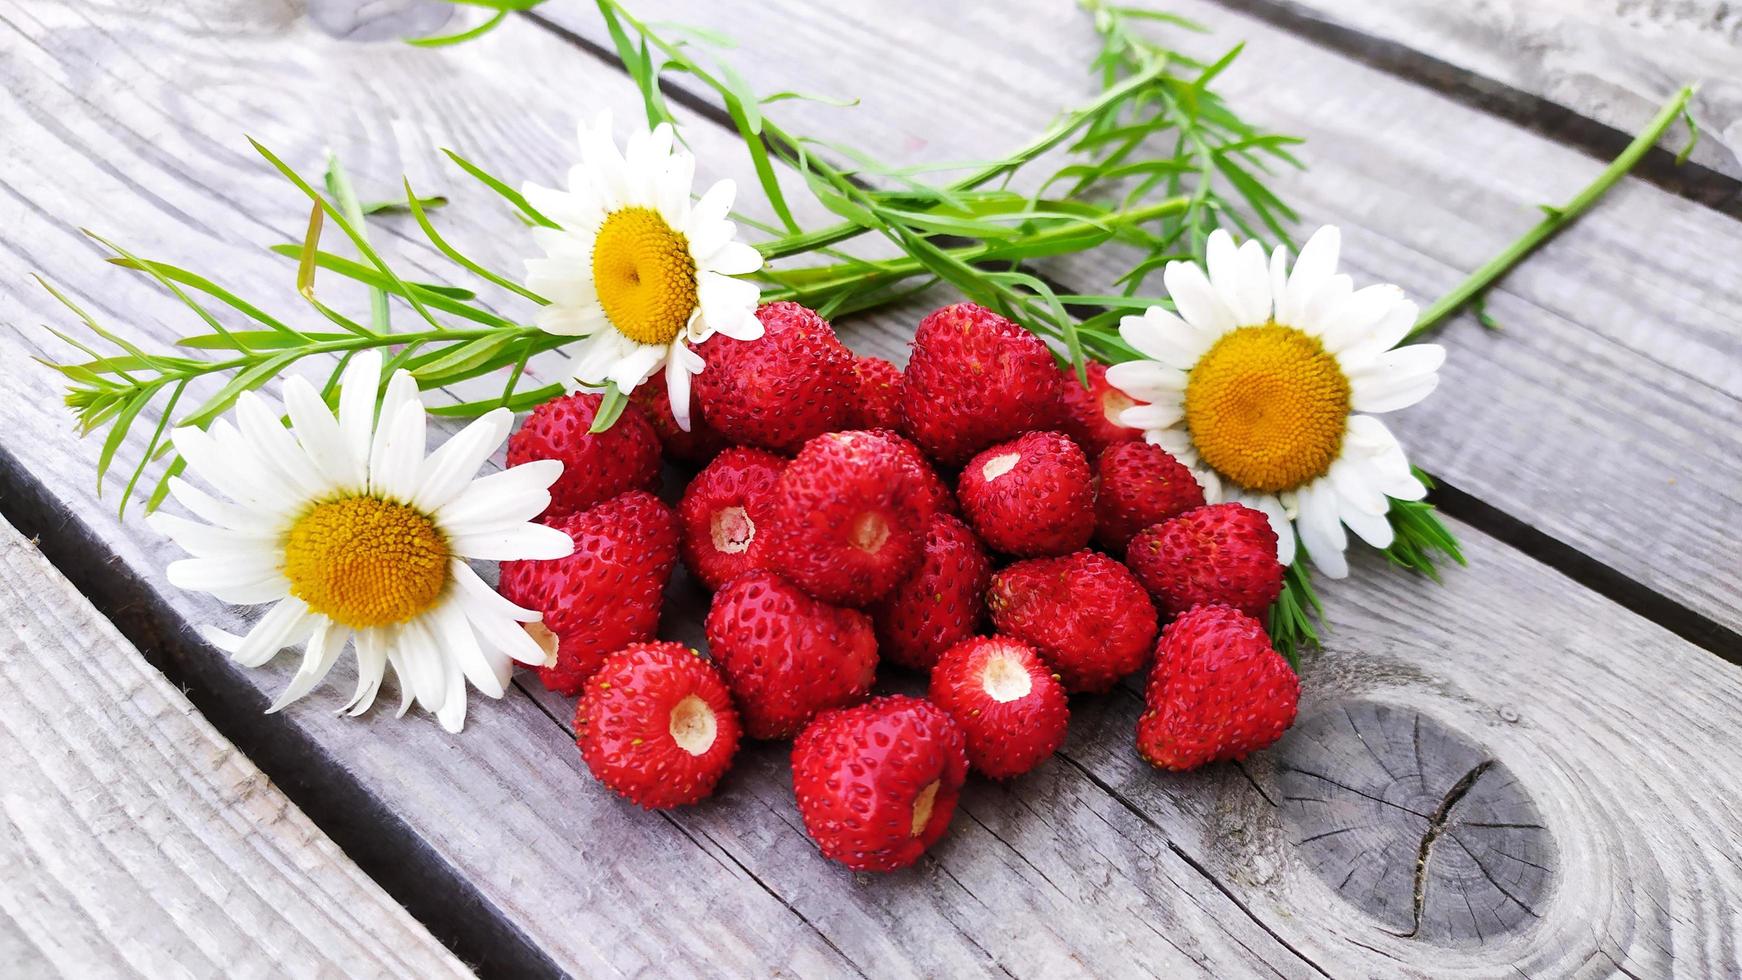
[{"x": 1530, "y": 770}]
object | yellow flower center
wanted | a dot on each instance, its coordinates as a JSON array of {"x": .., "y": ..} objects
[
  {"x": 364, "y": 562},
  {"x": 644, "y": 275},
  {"x": 1267, "y": 407}
]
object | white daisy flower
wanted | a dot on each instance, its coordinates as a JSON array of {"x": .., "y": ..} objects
[
  {"x": 356, "y": 537},
  {"x": 1267, "y": 381},
  {"x": 638, "y": 268}
]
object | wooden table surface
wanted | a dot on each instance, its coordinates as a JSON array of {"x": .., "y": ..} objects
[{"x": 1532, "y": 769}]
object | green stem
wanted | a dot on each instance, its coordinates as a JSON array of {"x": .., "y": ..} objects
[
  {"x": 823, "y": 279},
  {"x": 1557, "y": 218}
]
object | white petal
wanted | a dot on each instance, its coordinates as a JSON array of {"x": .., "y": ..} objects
[
  {"x": 732, "y": 259},
  {"x": 320, "y": 436},
  {"x": 1312, "y": 270},
  {"x": 677, "y": 390},
  {"x": 452, "y": 713},
  {"x": 1147, "y": 381},
  {"x": 453, "y": 634},
  {"x": 1357, "y": 317},
  {"x": 1273, "y": 511},
  {"x": 278, "y": 448},
  {"x": 1358, "y": 494},
  {"x": 450, "y": 469},
  {"x": 212, "y": 574},
  {"x": 371, "y": 667},
  {"x": 1164, "y": 337},
  {"x": 1152, "y": 417},
  {"x": 518, "y": 493},
  {"x": 1279, "y": 285},
  {"x": 420, "y": 663},
  {"x": 725, "y": 300},
  {"x": 1375, "y": 529},
  {"x": 243, "y": 479},
  {"x": 275, "y": 630},
  {"x": 1321, "y": 529},
  {"x": 714, "y": 205},
  {"x": 1195, "y": 299},
  {"x": 211, "y": 509},
  {"x": 485, "y": 599},
  {"x": 398, "y": 455},
  {"x": 208, "y": 541},
  {"x": 522, "y": 541},
  {"x": 319, "y": 655},
  {"x": 357, "y": 391},
  {"x": 1390, "y": 395},
  {"x": 637, "y": 366}
]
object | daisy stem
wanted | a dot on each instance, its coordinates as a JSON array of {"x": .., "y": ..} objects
[
  {"x": 1068, "y": 235},
  {"x": 1555, "y": 218}
]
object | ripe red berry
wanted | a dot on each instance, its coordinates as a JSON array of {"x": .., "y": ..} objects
[
  {"x": 1084, "y": 613},
  {"x": 937, "y": 494},
  {"x": 1010, "y": 706},
  {"x": 794, "y": 383},
  {"x": 879, "y": 402},
  {"x": 1218, "y": 691},
  {"x": 877, "y": 784},
  {"x": 596, "y": 465},
  {"x": 850, "y": 518},
  {"x": 726, "y": 513},
  {"x": 698, "y": 445},
  {"x": 941, "y": 603},
  {"x": 1141, "y": 484},
  {"x": 975, "y": 379},
  {"x": 1031, "y": 496},
  {"x": 1219, "y": 553},
  {"x": 604, "y": 596},
  {"x": 1091, "y": 415},
  {"x": 656, "y": 725},
  {"x": 787, "y": 656}
]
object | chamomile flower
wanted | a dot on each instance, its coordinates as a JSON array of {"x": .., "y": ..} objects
[
  {"x": 638, "y": 268},
  {"x": 1267, "y": 383},
  {"x": 358, "y": 539}
]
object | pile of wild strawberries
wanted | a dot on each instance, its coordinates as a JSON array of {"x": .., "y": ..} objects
[{"x": 824, "y": 524}]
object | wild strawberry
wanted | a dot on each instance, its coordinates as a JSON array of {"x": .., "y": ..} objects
[
  {"x": 793, "y": 384},
  {"x": 698, "y": 445},
  {"x": 656, "y": 725},
  {"x": 1084, "y": 613},
  {"x": 1218, "y": 691},
  {"x": 1010, "y": 706},
  {"x": 975, "y": 379},
  {"x": 1091, "y": 415},
  {"x": 787, "y": 656},
  {"x": 941, "y": 603},
  {"x": 850, "y": 518},
  {"x": 1031, "y": 496},
  {"x": 596, "y": 465},
  {"x": 604, "y": 596},
  {"x": 879, "y": 403},
  {"x": 877, "y": 784},
  {"x": 726, "y": 512},
  {"x": 1140, "y": 485},
  {"x": 937, "y": 494},
  {"x": 1220, "y": 553}
]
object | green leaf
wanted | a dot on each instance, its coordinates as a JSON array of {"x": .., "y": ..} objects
[
  {"x": 461, "y": 357},
  {"x": 507, "y": 193},
  {"x": 610, "y": 408},
  {"x": 441, "y": 243}
]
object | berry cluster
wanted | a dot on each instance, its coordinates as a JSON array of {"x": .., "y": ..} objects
[{"x": 823, "y": 522}]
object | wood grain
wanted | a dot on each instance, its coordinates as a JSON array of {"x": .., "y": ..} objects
[
  {"x": 1611, "y": 62},
  {"x": 136, "y": 840},
  {"x": 1608, "y": 411}
]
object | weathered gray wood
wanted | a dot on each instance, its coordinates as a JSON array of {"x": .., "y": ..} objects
[
  {"x": 1607, "y": 412},
  {"x": 136, "y": 840},
  {"x": 731, "y": 887},
  {"x": 1413, "y": 823},
  {"x": 1610, "y": 62}
]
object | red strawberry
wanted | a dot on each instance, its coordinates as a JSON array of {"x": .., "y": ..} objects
[
  {"x": 1031, "y": 496},
  {"x": 656, "y": 725},
  {"x": 1009, "y": 704},
  {"x": 793, "y": 384},
  {"x": 1140, "y": 485},
  {"x": 877, "y": 784},
  {"x": 604, "y": 596},
  {"x": 726, "y": 513},
  {"x": 850, "y": 518},
  {"x": 1220, "y": 553},
  {"x": 937, "y": 493},
  {"x": 941, "y": 604},
  {"x": 1085, "y": 613},
  {"x": 596, "y": 465},
  {"x": 879, "y": 402},
  {"x": 1218, "y": 691},
  {"x": 975, "y": 379},
  {"x": 1091, "y": 415},
  {"x": 698, "y": 445},
  {"x": 787, "y": 656}
]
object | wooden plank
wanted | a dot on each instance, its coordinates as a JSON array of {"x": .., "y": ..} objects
[
  {"x": 598, "y": 886},
  {"x": 1608, "y": 62},
  {"x": 136, "y": 840},
  {"x": 1607, "y": 413}
]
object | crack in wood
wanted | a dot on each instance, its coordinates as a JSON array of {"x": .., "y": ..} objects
[{"x": 1436, "y": 825}]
